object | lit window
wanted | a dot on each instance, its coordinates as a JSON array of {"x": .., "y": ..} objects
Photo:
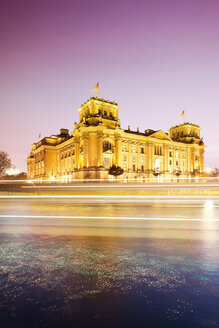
[
  {"x": 133, "y": 159},
  {"x": 124, "y": 158},
  {"x": 142, "y": 159},
  {"x": 133, "y": 148},
  {"x": 124, "y": 147}
]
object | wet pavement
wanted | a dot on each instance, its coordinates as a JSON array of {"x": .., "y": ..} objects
[{"x": 109, "y": 264}]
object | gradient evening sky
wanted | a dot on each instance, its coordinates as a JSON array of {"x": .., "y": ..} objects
[{"x": 155, "y": 58}]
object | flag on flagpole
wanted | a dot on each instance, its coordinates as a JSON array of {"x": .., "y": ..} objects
[
  {"x": 183, "y": 114},
  {"x": 96, "y": 89},
  {"x": 39, "y": 135}
]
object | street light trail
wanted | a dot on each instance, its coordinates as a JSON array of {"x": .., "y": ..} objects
[
  {"x": 126, "y": 186},
  {"x": 104, "y": 218}
]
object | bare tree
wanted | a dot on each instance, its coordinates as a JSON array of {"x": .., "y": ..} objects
[{"x": 5, "y": 162}]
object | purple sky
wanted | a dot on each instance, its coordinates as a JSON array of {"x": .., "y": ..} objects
[{"x": 155, "y": 58}]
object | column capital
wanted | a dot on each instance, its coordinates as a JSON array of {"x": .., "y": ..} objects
[
  {"x": 85, "y": 136},
  {"x": 100, "y": 135}
]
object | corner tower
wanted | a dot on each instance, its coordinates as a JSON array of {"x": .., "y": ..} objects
[
  {"x": 189, "y": 135},
  {"x": 97, "y": 111},
  {"x": 186, "y": 133}
]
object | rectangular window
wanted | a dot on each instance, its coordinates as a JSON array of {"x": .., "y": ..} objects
[
  {"x": 133, "y": 166},
  {"x": 124, "y": 147},
  {"x": 133, "y": 159},
  {"x": 170, "y": 162},
  {"x": 177, "y": 163},
  {"x": 142, "y": 168},
  {"x": 142, "y": 159},
  {"x": 124, "y": 158},
  {"x": 142, "y": 150},
  {"x": 170, "y": 153},
  {"x": 133, "y": 148}
]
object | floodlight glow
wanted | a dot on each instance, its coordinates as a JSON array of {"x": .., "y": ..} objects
[
  {"x": 208, "y": 170},
  {"x": 12, "y": 171}
]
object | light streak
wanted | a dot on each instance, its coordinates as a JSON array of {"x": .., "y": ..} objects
[
  {"x": 201, "y": 197},
  {"x": 104, "y": 218},
  {"x": 139, "y": 180},
  {"x": 121, "y": 186}
]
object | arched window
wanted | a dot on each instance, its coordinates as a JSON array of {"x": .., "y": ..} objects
[{"x": 106, "y": 145}]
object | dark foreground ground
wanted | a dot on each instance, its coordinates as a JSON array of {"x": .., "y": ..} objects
[{"x": 79, "y": 281}]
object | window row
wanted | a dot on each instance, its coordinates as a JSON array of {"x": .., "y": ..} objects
[
  {"x": 104, "y": 113},
  {"x": 134, "y": 148},
  {"x": 133, "y": 168}
]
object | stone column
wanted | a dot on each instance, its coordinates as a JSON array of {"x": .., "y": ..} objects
[
  {"x": 129, "y": 157},
  {"x": 150, "y": 156},
  {"x": 92, "y": 150},
  {"x": 118, "y": 150},
  {"x": 188, "y": 160},
  {"x": 77, "y": 153},
  {"x": 165, "y": 158},
  {"x": 192, "y": 159},
  {"x": 174, "y": 160},
  {"x": 202, "y": 151},
  {"x": 100, "y": 149},
  {"x": 85, "y": 149},
  {"x": 58, "y": 162}
]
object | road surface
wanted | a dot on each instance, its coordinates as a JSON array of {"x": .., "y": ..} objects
[{"x": 98, "y": 260}]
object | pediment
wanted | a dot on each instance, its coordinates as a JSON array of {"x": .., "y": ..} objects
[
  {"x": 160, "y": 135},
  {"x": 109, "y": 152}
]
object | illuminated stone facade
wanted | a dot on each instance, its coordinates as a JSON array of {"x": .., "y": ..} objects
[{"x": 98, "y": 142}]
